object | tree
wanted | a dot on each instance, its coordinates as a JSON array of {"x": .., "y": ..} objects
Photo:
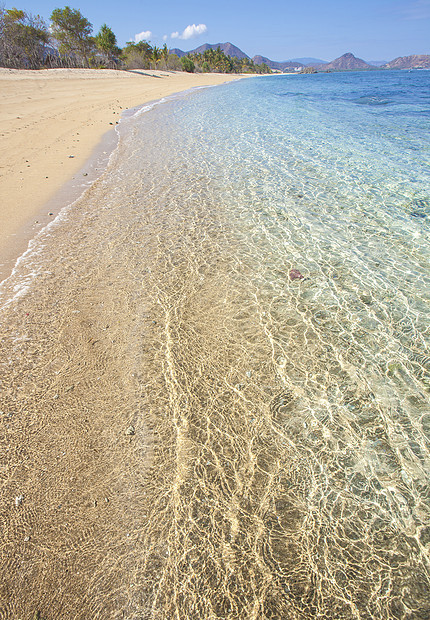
[
  {"x": 137, "y": 55},
  {"x": 165, "y": 55},
  {"x": 187, "y": 64},
  {"x": 22, "y": 39},
  {"x": 105, "y": 41},
  {"x": 73, "y": 32},
  {"x": 156, "y": 55},
  {"x": 173, "y": 63}
]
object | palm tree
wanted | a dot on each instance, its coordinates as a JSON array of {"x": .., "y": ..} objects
[
  {"x": 165, "y": 55},
  {"x": 156, "y": 55}
]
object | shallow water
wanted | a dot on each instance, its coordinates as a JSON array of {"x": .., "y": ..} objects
[{"x": 280, "y": 466}]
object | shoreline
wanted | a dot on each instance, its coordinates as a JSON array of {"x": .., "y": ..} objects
[{"x": 57, "y": 138}]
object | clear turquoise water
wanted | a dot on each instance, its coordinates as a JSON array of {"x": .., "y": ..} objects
[{"x": 289, "y": 419}]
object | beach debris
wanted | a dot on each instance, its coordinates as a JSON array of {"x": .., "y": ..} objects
[
  {"x": 18, "y": 500},
  {"x": 296, "y": 275},
  {"x": 50, "y": 213},
  {"x": 71, "y": 156},
  {"x": 26, "y": 538},
  {"x": 130, "y": 431}
]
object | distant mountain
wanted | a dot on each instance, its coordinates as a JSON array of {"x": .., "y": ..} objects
[
  {"x": 377, "y": 63},
  {"x": 309, "y": 61},
  {"x": 347, "y": 62},
  {"x": 178, "y": 52},
  {"x": 231, "y": 50},
  {"x": 416, "y": 61},
  {"x": 280, "y": 66},
  {"x": 228, "y": 48}
]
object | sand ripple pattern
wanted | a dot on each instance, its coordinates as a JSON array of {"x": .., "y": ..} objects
[{"x": 277, "y": 463}]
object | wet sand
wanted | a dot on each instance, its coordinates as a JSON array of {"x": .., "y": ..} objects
[{"x": 51, "y": 122}]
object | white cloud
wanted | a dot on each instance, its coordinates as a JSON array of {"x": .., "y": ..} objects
[
  {"x": 165, "y": 37},
  {"x": 142, "y": 36},
  {"x": 190, "y": 32}
]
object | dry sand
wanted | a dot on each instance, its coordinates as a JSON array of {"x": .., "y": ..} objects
[{"x": 51, "y": 121}]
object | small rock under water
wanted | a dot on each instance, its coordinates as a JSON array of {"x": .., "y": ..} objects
[{"x": 296, "y": 275}]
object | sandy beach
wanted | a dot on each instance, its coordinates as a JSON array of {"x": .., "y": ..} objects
[{"x": 51, "y": 121}]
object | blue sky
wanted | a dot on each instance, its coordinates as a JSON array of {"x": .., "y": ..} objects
[{"x": 279, "y": 30}]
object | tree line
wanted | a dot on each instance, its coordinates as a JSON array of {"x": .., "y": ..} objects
[
  {"x": 217, "y": 60},
  {"x": 28, "y": 42}
]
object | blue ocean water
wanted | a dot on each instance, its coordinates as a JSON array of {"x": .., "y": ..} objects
[{"x": 268, "y": 244}]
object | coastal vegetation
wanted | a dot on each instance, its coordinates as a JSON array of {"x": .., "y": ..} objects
[
  {"x": 72, "y": 31},
  {"x": 23, "y": 39},
  {"x": 28, "y": 42},
  {"x": 67, "y": 40},
  {"x": 217, "y": 60}
]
